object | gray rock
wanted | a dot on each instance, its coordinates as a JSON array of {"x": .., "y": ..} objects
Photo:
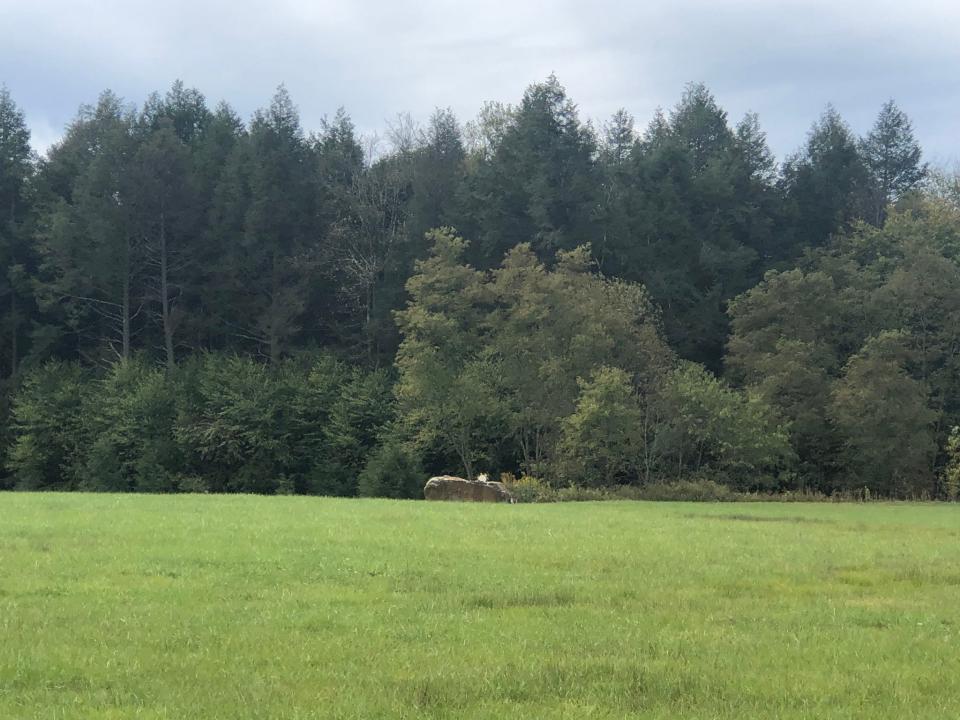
[{"x": 447, "y": 487}]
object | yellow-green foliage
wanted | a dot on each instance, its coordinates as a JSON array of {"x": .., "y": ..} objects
[
  {"x": 527, "y": 489},
  {"x": 952, "y": 473},
  {"x": 242, "y": 607}
]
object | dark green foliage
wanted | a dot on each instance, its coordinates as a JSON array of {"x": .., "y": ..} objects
[
  {"x": 882, "y": 415},
  {"x": 892, "y": 156},
  {"x": 392, "y": 471},
  {"x": 273, "y": 204},
  {"x": 695, "y": 222},
  {"x": 249, "y": 427},
  {"x": 189, "y": 301},
  {"x": 827, "y": 183},
  {"x": 48, "y": 428},
  {"x": 6, "y": 434},
  {"x": 539, "y": 185},
  {"x": 854, "y": 352},
  {"x": 236, "y": 428},
  {"x": 16, "y": 216},
  {"x": 219, "y": 423},
  {"x": 91, "y": 254},
  {"x": 129, "y": 419}
]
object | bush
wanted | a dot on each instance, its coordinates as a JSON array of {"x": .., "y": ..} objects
[
  {"x": 130, "y": 417},
  {"x": 951, "y": 474},
  {"x": 393, "y": 471},
  {"x": 6, "y": 435},
  {"x": 528, "y": 489},
  {"x": 602, "y": 441},
  {"x": 699, "y": 490},
  {"x": 48, "y": 437},
  {"x": 295, "y": 428},
  {"x": 218, "y": 423}
]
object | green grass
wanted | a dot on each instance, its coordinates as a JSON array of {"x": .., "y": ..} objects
[{"x": 250, "y": 607}]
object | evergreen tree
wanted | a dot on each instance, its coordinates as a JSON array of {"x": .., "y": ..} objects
[
  {"x": 267, "y": 207},
  {"x": 539, "y": 186},
  {"x": 167, "y": 211},
  {"x": 614, "y": 175},
  {"x": 892, "y": 156},
  {"x": 697, "y": 228},
  {"x": 826, "y": 183},
  {"x": 618, "y": 139},
  {"x": 437, "y": 175},
  {"x": 16, "y": 171},
  {"x": 91, "y": 248}
]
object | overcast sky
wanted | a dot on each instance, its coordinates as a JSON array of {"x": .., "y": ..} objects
[{"x": 783, "y": 59}]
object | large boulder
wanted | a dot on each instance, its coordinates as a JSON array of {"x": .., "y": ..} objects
[{"x": 447, "y": 487}]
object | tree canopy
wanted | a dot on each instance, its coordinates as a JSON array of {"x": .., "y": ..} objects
[{"x": 191, "y": 301}]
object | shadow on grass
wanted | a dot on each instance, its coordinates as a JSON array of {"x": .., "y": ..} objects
[
  {"x": 520, "y": 600},
  {"x": 760, "y": 518}
]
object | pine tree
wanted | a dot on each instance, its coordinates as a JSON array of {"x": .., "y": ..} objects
[
  {"x": 91, "y": 247},
  {"x": 826, "y": 183},
  {"x": 266, "y": 205},
  {"x": 892, "y": 155},
  {"x": 539, "y": 185},
  {"x": 16, "y": 171},
  {"x": 167, "y": 212}
]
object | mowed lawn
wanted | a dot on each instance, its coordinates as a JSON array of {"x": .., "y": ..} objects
[{"x": 254, "y": 607}]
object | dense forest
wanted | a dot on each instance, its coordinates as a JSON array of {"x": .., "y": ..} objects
[{"x": 192, "y": 302}]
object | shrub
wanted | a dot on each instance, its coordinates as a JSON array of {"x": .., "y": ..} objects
[
  {"x": 392, "y": 471},
  {"x": 6, "y": 480},
  {"x": 47, "y": 430},
  {"x": 951, "y": 475},
  {"x": 710, "y": 429},
  {"x": 602, "y": 441},
  {"x": 528, "y": 489},
  {"x": 192, "y": 484},
  {"x": 130, "y": 417},
  {"x": 234, "y": 425},
  {"x": 699, "y": 490}
]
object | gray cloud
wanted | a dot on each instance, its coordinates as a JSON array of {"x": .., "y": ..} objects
[{"x": 784, "y": 60}]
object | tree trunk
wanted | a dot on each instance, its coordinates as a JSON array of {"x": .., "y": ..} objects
[
  {"x": 125, "y": 320},
  {"x": 165, "y": 296},
  {"x": 525, "y": 451},
  {"x": 14, "y": 350},
  {"x": 463, "y": 450},
  {"x": 369, "y": 314},
  {"x": 273, "y": 337}
]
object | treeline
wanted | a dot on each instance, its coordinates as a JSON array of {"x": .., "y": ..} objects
[{"x": 192, "y": 302}]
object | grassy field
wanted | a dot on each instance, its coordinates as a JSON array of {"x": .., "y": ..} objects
[{"x": 251, "y": 607}]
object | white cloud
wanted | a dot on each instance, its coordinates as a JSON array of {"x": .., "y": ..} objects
[{"x": 785, "y": 60}]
